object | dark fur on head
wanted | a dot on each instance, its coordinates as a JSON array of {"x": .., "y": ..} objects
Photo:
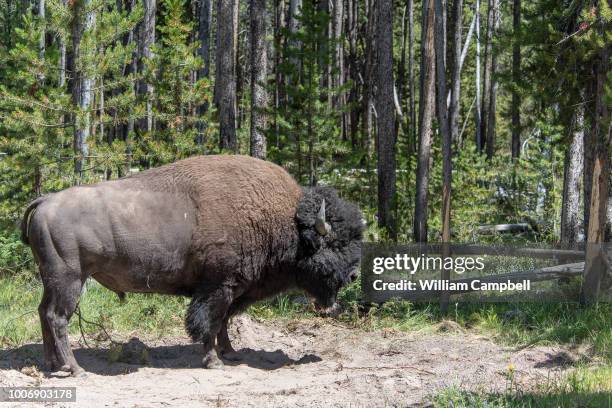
[{"x": 326, "y": 263}]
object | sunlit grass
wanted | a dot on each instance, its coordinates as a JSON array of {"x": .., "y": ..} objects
[
  {"x": 158, "y": 316},
  {"x": 583, "y": 387}
]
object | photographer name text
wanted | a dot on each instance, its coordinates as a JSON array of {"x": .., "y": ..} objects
[{"x": 436, "y": 285}]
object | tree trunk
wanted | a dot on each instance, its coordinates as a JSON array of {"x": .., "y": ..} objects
[
  {"x": 491, "y": 120},
  {"x": 516, "y": 77},
  {"x": 41, "y": 40},
  {"x": 259, "y": 95},
  {"x": 204, "y": 25},
  {"x": 279, "y": 25},
  {"x": 204, "y": 12},
  {"x": 353, "y": 72},
  {"x": 570, "y": 223},
  {"x": 368, "y": 68},
  {"x": 132, "y": 68},
  {"x": 61, "y": 41},
  {"x": 238, "y": 67},
  {"x": 412, "y": 109},
  {"x": 401, "y": 70},
  {"x": 225, "y": 82},
  {"x": 440, "y": 41},
  {"x": 477, "y": 110},
  {"x": 295, "y": 7},
  {"x": 146, "y": 40},
  {"x": 386, "y": 135},
  {"x": 487, "y": 126},
  {"x": 338, "y": 26},
  {"x": 426, "y": 113},
  {"x": 457, "y": 17},
  {"x": 83, "y": 21},
  {"x": 598, "y": 183}
]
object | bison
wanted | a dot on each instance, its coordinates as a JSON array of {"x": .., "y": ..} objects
[{"x": 225, "y": 231}]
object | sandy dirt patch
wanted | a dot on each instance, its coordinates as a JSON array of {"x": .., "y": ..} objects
[{"x": 306, "y": 363}]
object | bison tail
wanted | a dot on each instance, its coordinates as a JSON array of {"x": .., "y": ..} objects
[{"x": 25, "y": 222}]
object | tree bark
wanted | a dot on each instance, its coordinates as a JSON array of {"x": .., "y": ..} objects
[
  {"x": 477, "y": 110},
  {"x": 368, "y": 68},
  {"x": 492, "y": 109},
  {"x": 295, "y": 7},
  {"x": 412, "y": 109},
  {"x": 426, "y": 113},
  {"x": 279, "y": 25},
  {"x": 259, "y": 95},
  {"x": 83, "y": 21},
  {"x": 204, "y": 12},
  {"x": 225, "y": 82},
  {"x": 598, "y": 183},
  {"x": 146, "y": 41},
  {"x": 457, "y": 17},
  {"x": 570, "y": 223},
  {"x": 401, "y": 70},
  {"x": 41, "y": 40},
  {"x": 353, "y": 73},
  {"x": 487, "y": 126},
  {"x": 61, "y": 41},
  {"x": 516, "y": 77},
  {"x": 440, "y": 39},
  {"x": 338, "y": 80},
  {"x": 386, "y": 135},
  {"x": 238, "y": 67}
]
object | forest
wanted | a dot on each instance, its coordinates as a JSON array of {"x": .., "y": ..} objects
[{"x": 437, "y": 117}]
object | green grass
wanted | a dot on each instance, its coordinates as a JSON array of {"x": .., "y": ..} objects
[
  {"x": 581, "y": 388},
  {"x": 543, "y": 324},
  {"x": 153, "y": 315},
  {"x": 158, "y": 316}
]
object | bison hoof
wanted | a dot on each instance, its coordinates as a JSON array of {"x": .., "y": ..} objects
[
  {"x": 79, "y": 373},
  {"x": 212, "y": 361},
  {"x": 74, "y": 371}
]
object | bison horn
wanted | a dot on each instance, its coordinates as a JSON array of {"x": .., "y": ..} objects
[{"x": 321, "y": 226}]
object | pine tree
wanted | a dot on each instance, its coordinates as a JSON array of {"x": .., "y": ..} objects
[{"x": 308, "y": 128}]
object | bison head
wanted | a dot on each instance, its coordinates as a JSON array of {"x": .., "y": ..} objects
[{"x": 330, "y": 233}]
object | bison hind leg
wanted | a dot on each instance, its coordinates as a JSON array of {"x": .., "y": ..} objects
[
  {"x": 204, "y": 319},
  {"x": 55, "y": 310}
]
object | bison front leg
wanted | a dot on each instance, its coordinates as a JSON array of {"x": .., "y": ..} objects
[
  {"x": 223, "y": 340},
  {"x": 204, "y": 321}
]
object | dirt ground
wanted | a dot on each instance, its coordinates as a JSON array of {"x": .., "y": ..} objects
[{"x": 306, "y": 363}]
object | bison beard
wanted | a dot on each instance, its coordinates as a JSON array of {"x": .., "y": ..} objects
[{"x": 225, "y": 230}]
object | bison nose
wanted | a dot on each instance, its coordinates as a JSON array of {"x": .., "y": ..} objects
[{"x": 353, "y": 276}]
